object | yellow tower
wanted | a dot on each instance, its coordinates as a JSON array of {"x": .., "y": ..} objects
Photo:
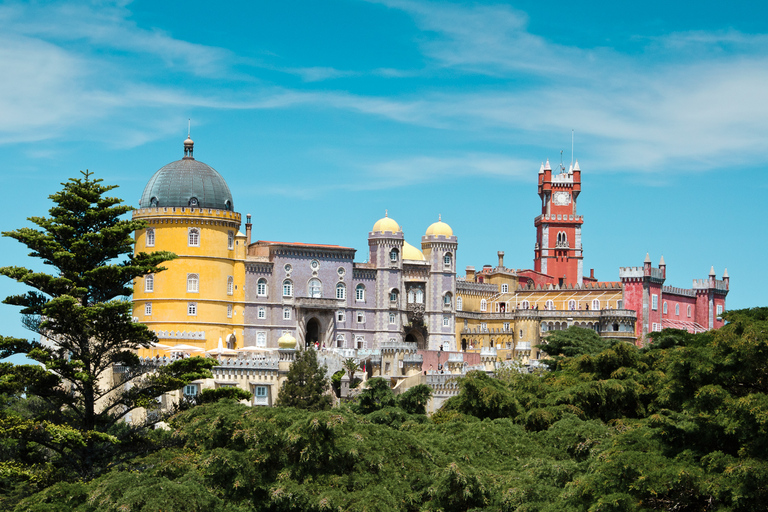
[{"x": 199, "y": 298}]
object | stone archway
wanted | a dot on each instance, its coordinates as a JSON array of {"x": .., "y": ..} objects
[
  {"x": 415, "y": 335},
  {"x": 313, "y": 332}
]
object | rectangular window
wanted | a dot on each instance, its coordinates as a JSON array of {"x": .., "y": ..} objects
[
  {"x": 149, "y": 283},
  {"x": 504, "y": 288},
  {"x": 229, "y": 310},
  {"x": 360, "y": 317},
  {"x": 194, "y": 237},
  {"x": 260, "y": 395},
  {"x": 654, "y": 302},
  {"x": 148, "y": 309},
  {"x": 620, "y": 304},
  {"x": 506, "y": 326},
  {"x": 719, "y": 311},
  {"x": 261, "y": 339},
  {"x": 392, "y": 318},
  {"x": 483, "y": 327},
  {"x": 262, "y": 313},
  {"x": 339, "y": 316},
  {"x": 286, "y": 313},
  {"x": 190, "y": 390},
  {"x": 150, "y": 238},
  {"x": 446, "y": 321},
  {"x": 193, "y": 283},
  {"x": 192, "y": 309}
]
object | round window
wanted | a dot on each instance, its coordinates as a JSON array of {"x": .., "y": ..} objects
[
  {"x": 315, "y": 264},
  {"x": 287, "y": 267}
]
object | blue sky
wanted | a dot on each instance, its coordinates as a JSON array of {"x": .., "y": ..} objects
[{"x": 321, "y": 115}]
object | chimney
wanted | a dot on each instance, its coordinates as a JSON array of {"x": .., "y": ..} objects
[
  {"x": 248, "y": 230},
  {"x": 501, "y": 259},
  {"x": 591, "y": 273},
  {"x": 471, "y": 274}
]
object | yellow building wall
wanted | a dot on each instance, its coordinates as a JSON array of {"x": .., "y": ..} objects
[
  {"x": 469, "y": 327},
  {"x": 212, "y": 260}
]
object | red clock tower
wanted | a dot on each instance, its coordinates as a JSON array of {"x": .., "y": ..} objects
[{"x": 558, "y": 251}]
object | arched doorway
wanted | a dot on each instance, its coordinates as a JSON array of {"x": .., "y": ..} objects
[
  {"x": 415, "y": 335},
  {"x": 463, "y": 344},
  {"x": 313, "y": 332}
]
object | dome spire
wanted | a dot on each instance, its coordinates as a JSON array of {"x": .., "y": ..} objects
[{"x": 188, "y": 144}]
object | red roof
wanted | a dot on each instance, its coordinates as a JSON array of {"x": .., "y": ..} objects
[{"x": 299, "y": 244}]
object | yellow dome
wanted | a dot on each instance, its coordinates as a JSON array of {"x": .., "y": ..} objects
[
  {"x": 439, "y": 228},
  {"x": 412, "y": 253},
  {"x": 286, "y": 341},
  {"x": 386, "y": 224}
]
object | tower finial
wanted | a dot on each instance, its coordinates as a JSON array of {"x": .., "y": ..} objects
[
  {"x": 188, "y": 144},
  {"x": 439, "y": 217}
]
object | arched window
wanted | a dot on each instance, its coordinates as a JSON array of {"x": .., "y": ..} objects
[
  {"x": 448, "y": 259},
  {"x": 411, "y": 296},
  {"x": 287, "y": 288},
  {"x": 150, "y": 239},
  {"x": 360, "y": 292},
  {"x": 571, "y": 304},
  {"x": 394, "y": 295},
  {"x": 193, "y": 283},
  {"x": 483, "y": 305},
  {"x": 261, "y": 287},
  {"x": 526, "y": 305},
  {"x": 394, "y": 254},
  {"x": 459, "y": 304},
  {"x": 194, "y": 237},
  {"x": 230, "y": 285},
  {"x": 596, "y": 304},
  {"x": 315, "y": 288},
  {"x": 230, "y": 239},
  {"x": 448, "y": 299},
  {"x": 689, "y": 311},
  {"x": 665, "y": 307},
  {"x": 419, "y": 296},
  {"x": 549, "y": 305},
  {"x": 677, "y": 309},
  {"x": 341, "y": 291},
  {"x": 149, "y": 283}
]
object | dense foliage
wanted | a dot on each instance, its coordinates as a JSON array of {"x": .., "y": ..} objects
[
  {"x": 61, "y": 420},
  {"x": 679, "y": 425},
  {"x": 306, "y": 385}
]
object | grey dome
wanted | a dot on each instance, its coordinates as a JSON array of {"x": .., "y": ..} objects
[{"x": 186, "y": 182}]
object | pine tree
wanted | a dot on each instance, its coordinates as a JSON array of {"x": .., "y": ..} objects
[
  {"x": 71, "y": 410},
  {"x": 306, "y": 385}
]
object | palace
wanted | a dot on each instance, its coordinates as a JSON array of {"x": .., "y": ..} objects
[{"x": 403, "y": 308}]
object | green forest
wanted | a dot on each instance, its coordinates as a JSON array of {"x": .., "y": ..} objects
[{"x": 678, "y": 425}]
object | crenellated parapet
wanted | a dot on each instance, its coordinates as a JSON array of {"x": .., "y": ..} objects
[{"x": 188, "y": 215}]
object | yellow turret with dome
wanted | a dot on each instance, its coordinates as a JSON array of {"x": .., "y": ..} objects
[
  {"x": 386, "y": 225},
  {"x": 286, "y": 341},
  {"x": 439, "y": 228},
  {"x": 412, "y": 253}
]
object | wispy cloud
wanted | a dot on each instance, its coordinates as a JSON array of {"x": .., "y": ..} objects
[{"x": 701, "y": 104}]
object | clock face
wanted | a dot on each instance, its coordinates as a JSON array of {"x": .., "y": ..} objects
[{"x": 562, "y": 198}]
